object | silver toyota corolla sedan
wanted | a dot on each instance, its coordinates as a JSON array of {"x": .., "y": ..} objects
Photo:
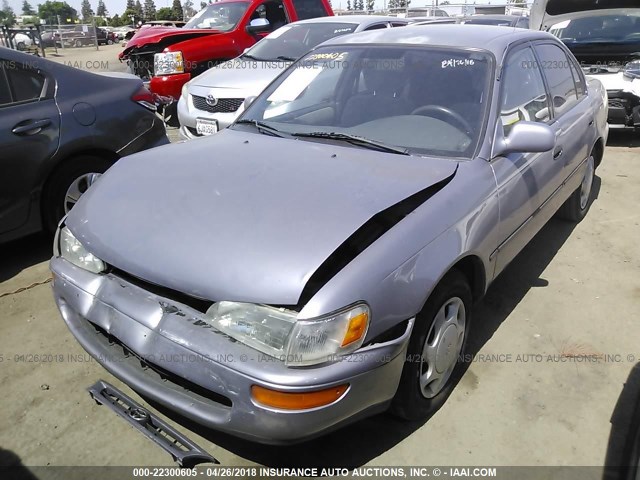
[
  {"x": 213, "y": 100},
  {"x": 318, "y": 261}
]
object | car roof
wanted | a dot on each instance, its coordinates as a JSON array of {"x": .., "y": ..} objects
[
  {"x": 494, "y": 17},
  {"x": 356, "y": 19},
  {"x": 492, "y": 38}
]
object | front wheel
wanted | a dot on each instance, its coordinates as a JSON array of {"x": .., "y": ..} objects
[
  {"x": 67, "y": 184},
  {"x": 436, "y": 349}
]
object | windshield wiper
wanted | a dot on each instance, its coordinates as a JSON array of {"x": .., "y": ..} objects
[
  {"x": 248, "y": 55},
  {"x": 355, "y": 140},
  {"x": 262, "y": 127},
  {"x": 286, "y": 58}
]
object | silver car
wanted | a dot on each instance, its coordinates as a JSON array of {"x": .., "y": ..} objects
[
  {"x": 213, "y": 100},
  {"x": 318, "y": 261}
]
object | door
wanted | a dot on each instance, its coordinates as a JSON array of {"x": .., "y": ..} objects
[
  {"x": 524, "y": 180},
  {"x": 571, "y": 112},
  {"x": 29, "y": 135}
]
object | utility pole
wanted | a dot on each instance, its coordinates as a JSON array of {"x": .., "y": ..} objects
[
  {"x": 95, "y": 32},
  {"x": 59, "y": 33}
]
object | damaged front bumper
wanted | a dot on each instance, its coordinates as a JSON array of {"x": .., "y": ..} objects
[{"x": 165, "y": 351}]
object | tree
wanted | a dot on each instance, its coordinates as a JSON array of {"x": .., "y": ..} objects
[
  {"x": 50, "y": 10},
  {"x": 371, "y": 5},
  {"x": 349, "y": 4},
  {"x": 165, "y": 13},
  {"x": 116, "y": 21},
  {"x": 203, "y": 5},
  {"x": 101, "y": 10},
  {"x": 134, "y": 12},
  {"x": 7, "y": 16},
  {"x": 178, "y": 14},
  {"x": 27, "y": 9},
  {"x": 358, "y": 5},
  {"x": 188, "y": 10},
  {"x": 86, "y": 10},
  {"x": 149, "y": 10}
]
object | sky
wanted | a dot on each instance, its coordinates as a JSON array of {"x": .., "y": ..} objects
[{"x": 118, "y": 6}]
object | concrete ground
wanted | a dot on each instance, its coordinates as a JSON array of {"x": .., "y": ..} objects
[{"x": 555, "y": 339}]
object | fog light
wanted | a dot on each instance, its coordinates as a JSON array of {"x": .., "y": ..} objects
[{"x": 297, "y": 400}]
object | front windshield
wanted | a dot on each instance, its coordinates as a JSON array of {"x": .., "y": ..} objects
[
  {"x": 292, "y": 41},
  {"x": 222, "y": 16},
  {"x": 427, "y": 100},
  {"x": 599, "y": 29}
]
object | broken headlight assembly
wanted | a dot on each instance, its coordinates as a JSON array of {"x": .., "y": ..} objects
[
  {"x": 632, "y": 69},
  {"x": 297, "y": 342},
  {"x": 73, "y": 251},
  {"x": 168, "y": 63}
]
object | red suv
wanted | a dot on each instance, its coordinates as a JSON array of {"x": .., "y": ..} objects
[{"x": 169, "y": 57}]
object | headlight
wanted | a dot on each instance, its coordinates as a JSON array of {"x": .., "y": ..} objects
[
  {"x": 278, "y": 332},
  {"x": 632, "y": 69},
  {"x": 168, "y": 63},
  {"x": 72, "y": 250}
]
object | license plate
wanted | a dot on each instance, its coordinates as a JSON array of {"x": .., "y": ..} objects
[{"x": 206, "y": 127}]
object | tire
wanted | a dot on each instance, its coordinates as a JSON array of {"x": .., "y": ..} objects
[
  {"x": 78, "y": 43},
  {"x": 623, "y": 450},
  {"x": 410, "y": 401},
  {"x": 21, "y": 46},
  {"x": 109, "y": 42},
  {"x": 578, "y": 204},
  {"x": 54, "y": 202}
]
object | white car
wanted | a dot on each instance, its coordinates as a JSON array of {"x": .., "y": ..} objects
[
  {"x": 605, "y": 38},
  {"x": 21, "y": 41},
  {"x": 212, "y": 101}
]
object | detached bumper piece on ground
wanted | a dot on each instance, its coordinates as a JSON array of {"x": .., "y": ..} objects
[{"x": 183, "y": 450}]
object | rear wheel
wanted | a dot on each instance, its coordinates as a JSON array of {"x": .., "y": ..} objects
[
  {"x": 78, "y": 43},
  {"x": 436, "y": 348},
  {"x": 67, "y": 184},
  {"x": 577, "y": 205}
]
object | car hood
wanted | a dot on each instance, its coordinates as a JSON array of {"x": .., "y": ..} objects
[
  {"x": 241, "y": 74},
  {"x": 545, "y": 13},
  {"x": 221, "y": 218},
  {"x": 170, "y": 35}
]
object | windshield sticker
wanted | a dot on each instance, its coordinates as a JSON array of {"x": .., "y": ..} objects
[
  {"x": 341, "y": 30},
  {"x": 456, "y": 62},
  {"x": 328, "y": 56}
]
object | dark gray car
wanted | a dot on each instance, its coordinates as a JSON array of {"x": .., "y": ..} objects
[
  {"x": 318, "y": 260},
  {"x": 59, "y": 127}
]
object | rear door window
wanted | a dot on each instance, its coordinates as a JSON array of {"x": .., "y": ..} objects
[
  {"x": 24, "y": 84},
  {"x": 556, "y": 67},
  {"x": 5, "y": 94}
]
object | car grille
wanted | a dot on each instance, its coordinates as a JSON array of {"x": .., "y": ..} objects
[
  {"x": 224, "y": 105},
  {"x": 119, "y": 352}
]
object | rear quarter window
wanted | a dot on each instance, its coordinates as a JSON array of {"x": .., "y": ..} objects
[{"x": 309, "y": 9}]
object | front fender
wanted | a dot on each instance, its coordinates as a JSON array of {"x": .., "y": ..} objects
[{"x": 396, "y": 274}]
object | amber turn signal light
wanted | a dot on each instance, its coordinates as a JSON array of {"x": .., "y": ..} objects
[
  {"x": 355, "y": 330},
  {"x": 297, "y": 400}
]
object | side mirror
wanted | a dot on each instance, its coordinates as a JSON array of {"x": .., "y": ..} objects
[
  {"x": 248, "y": 101},
  {"x": 526, "y": 137},
  {"x": 258, "y": 25}
]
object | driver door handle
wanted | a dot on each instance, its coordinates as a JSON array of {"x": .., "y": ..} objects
[
  {"x": 557, "y": 153},
  {"x": 31, "y": 128}
]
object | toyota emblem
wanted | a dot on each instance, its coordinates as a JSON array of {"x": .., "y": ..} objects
[{"x": 211, "y": 100}]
